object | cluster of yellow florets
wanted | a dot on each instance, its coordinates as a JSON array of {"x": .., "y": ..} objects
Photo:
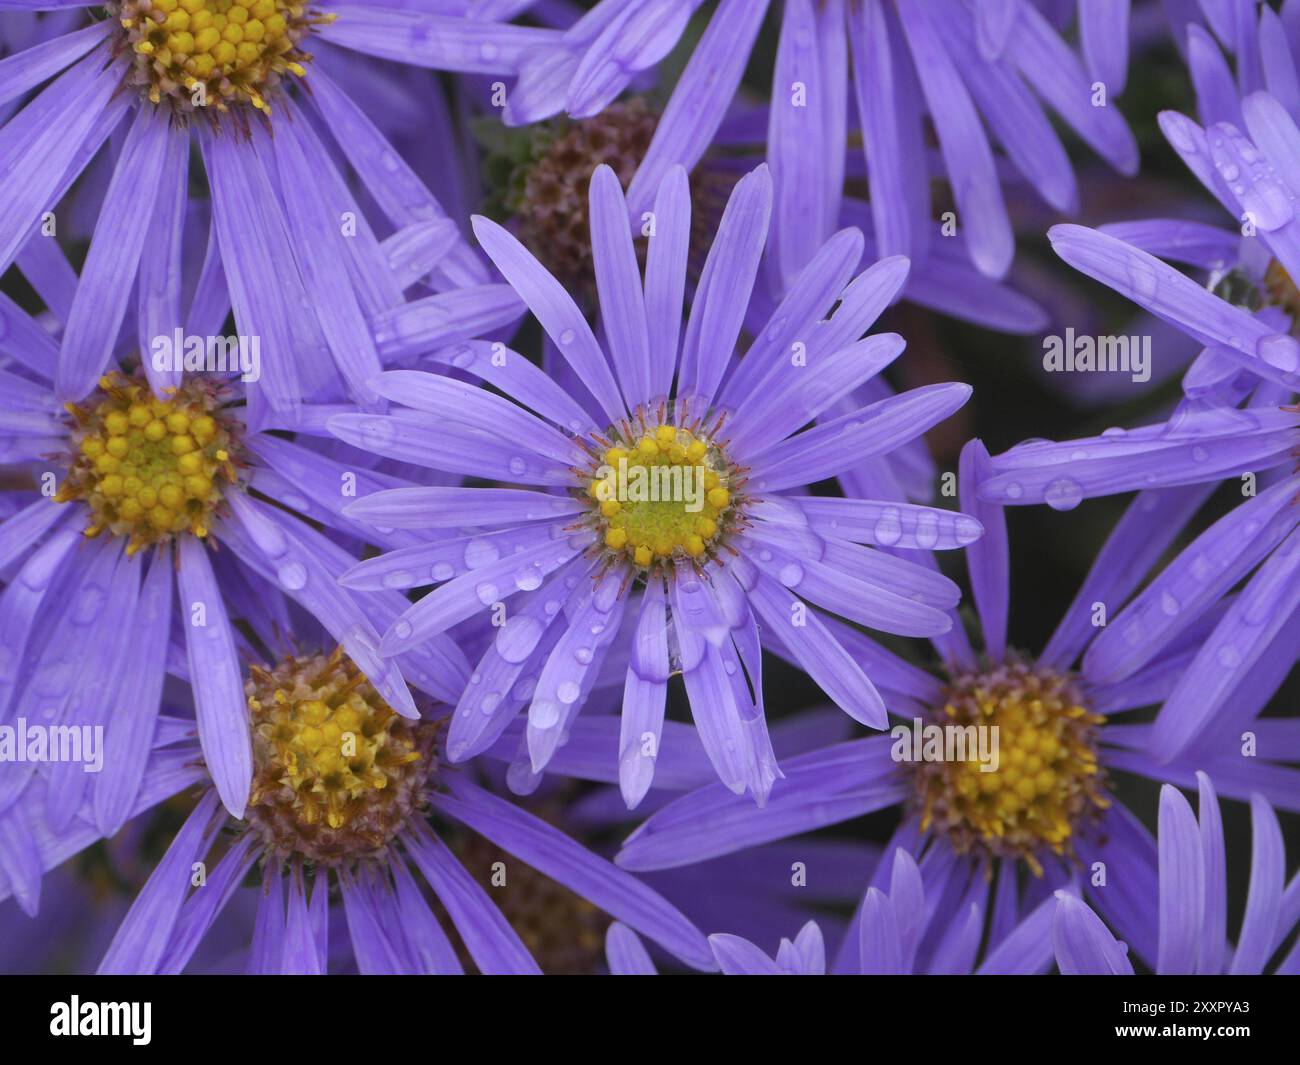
[
  {"x": 660, "y": 494},
  {"x": 214, "y": 53},
  {"x": 337, "y": 771},
  {"x": 1047, "y": 782},
  {"x": 148, "y": 468}
]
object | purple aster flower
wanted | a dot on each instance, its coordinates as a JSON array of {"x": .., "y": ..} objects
[
  {"x": 1047, "y": 803},
  {"x": 110, "y": 500},
  {"x": 1192, "y": 903},
  {"x": 980, "y": 72},
  {"x": 302, "y": 264},
  {"x": 351, "y": 808},
  {"x": 587, "y": 555}
]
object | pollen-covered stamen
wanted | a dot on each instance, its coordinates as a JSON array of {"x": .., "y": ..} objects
[
  {"x": 1047, "y": 784},
  {"x": 337, "y": 771},
  {"x": 196, "y": 54},
  {"x": 149, "y": 468},
  {"x": 661, "y": 490}
]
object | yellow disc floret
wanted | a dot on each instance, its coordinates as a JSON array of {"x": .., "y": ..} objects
[
  {"x": 660, "y": 492},
  {"x": 336, "y": 770},
  {"x": 149, "y": 468},
  {"x": 194, "y": 54},
  {"x": 1042, "y": 785}
]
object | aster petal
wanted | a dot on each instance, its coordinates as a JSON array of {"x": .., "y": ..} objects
[
  {"x": 967, "y": 156},
  {"x": 490, "y": 940},
  {"x": 737, "y": 956},
  {"x": 701, "y": 97},
  {"x": 25, "y": 70},
  {"x": 892, "y": 135},
  {"x": 219, "y": 701},
  {"x": 1213, "y": 945},
  {"x": 638, "y": 38},
  {"x": 836, "y": 445},
  {"x": 1103, "y": 32},
  {"x": 618, "y": 282},
  {"x": 202, "y": 908},
  {"x": 110, "y": 268},
  {"x": 625, "y": 954},
  {"x": 1026, "y": 950},
  {"x": 1082, "y": 944},
  {"x": 1048, "y": 64},
  {"x": 1179, "y": 300},
  {"x": 555, "y": 855},
  {"x": 440, "y": 42},
  {"x": 46, "y": 138},
  {"x": 807, "y": 301},
  {"x": 645, "y": 694},
  {"x": 1182, "y": 884},
  {"x": 1268, "y": 601},
  {"x": 723, "y": 293},
  {"x": 1260, "y": 935},
  {"x": 142, "y": 938},
  {"x": 136, "y": 703}
]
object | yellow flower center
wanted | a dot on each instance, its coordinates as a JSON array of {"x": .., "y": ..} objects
[
  {"x": 1282, "y": 290},
  {"x": 661, "y": 492},
  {"x": 214, "y": 53},
  {"x": 1046, "y": 784},
  {"x": 336, "y": 771},
  {"x": 149, "y": 468}
]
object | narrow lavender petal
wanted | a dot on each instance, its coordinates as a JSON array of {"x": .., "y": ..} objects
[
  {"x": 474, "y": 593},
  {"x": 641, "y": 36},
  {"x": 1260, "y": 935},
  {"x": 430, "y": 948},
  {"x": 1026, "y": 950},
  {"x": 1280, "y": 76},
  {"x": 1182, "y": 884},
  {"x": 799, "y": 393},
  {"x": 820, "y": 654},
  {"x": 300, "y": 957},
  {"x": 820, "y": 788},
  {"x": 23, "y": 71},
  {"x": 1209, "y": 567},
  {"x": 20, "y": 858},
  {"x": 137, "y": 701},
  {"x": 887, "y": 524},
  {"x": 143, "y": 937},
  {"x": 1049, "y": 65},
  {"x": 618, "y": 282},
  {"x": 808, "y": 300},
  {"x": 723, "y": 293},
  {"x": 159, "y": 285},
  {"x": 555, "y": 310},
  {"x": 1082, "y": 944},
  {"x": 645, "y": 694},
  {"x": 1213, "y": 946},
  {"x": 989, "y": 557},
  {"x": 665, "y": 277},
  {"x": 440, "y": 42},
  {"x": 625, "y": 954},
  {"x": 892, "y": 133},
  {"x": 375, "y": 952},
  {"x": 1257, "y": 615},
  {"x": 967, "y": 156},
  {"x": 456, "y": 508},
  {"x": 518, "y": 378},
  {"x": 219, "y": 701},
  {"x": 836, "y": 445},
  {"x": 737, "y": 956},
  {"x": 202, "y": 908},
  {"x": 1138, "y": 540},
  {"x": 798, "y": 142},
  {"x": 701, "y": 97},
  {"x": 1103, "y": 32},
  {"x": 46, "y": 138},
  {"x": 114, "y": 255}
]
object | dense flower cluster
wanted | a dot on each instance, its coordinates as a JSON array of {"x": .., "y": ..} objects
[{"x": 467, "y": 502}]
